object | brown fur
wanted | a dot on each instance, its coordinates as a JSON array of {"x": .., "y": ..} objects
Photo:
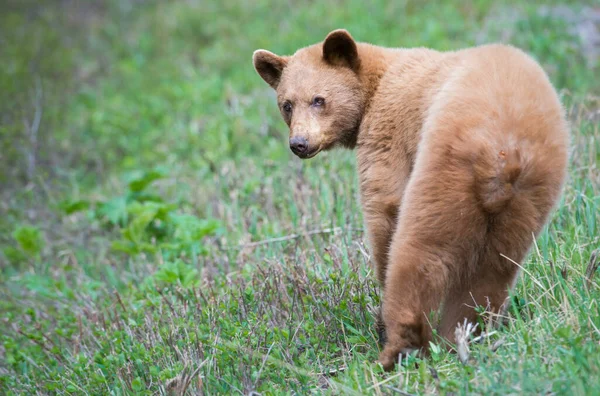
[{"x": 461, "y": 157}]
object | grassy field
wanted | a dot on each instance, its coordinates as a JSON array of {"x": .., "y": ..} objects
[{"x": 158, "y": 236}]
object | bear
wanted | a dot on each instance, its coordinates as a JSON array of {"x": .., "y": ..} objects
[{"x": 461, "y": 158}]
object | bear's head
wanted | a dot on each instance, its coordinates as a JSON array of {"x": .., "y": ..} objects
[{"x": 319, "y": 92}]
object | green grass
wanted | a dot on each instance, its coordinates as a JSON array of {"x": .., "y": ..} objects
[{"x": 157, "y": 235}]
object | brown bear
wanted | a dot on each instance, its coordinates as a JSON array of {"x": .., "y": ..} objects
[{"x": 461, "y": 156}]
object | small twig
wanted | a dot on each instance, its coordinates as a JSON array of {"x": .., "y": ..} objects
[
  {"x": 497, "y": 344},
  {"x": 159, "y": 291},
  {"x": 592, "y": 267},
  {"x": 41, "y": 345},
  {"x": 262, "y": 366},
  {"x": 290, "y": 237},
  {"x": 33, "y": 129},
  {"x": 120, "y": 301}
]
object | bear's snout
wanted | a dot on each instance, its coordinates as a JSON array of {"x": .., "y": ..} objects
[{"x": 299, "y": 146}]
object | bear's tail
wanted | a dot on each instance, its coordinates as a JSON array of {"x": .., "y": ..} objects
[{"x": 497, "y": 173}]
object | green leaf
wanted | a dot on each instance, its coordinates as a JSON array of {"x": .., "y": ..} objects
[
  {"x": 177, "y": 272},
  {"x": 125, "y": 247},
  {"x": 70, "y": 207},
  {"x": 435, "y": 349},
  {"x": 563, "y": 332},
  {"x": 136, "y": 384},
  {"x": 189, "y": 228},
  {"x": 142, "y": 215},
  {"x": 114, "y": 211},
  {"x": 13, "y": 254},
  {"x": 141, "y": 182},
  {"x": 30, "y": 239},
  {"x": 167, "y": 274}
]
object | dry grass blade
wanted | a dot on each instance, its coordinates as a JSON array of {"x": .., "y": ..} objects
[
  {"x": 399, "y": 391},
  {"x": 592, "y": 267},
  {"x": 287, "y": 238},
  {"x": 463, "y": 333},
  {"x": 178, "y": 386}
]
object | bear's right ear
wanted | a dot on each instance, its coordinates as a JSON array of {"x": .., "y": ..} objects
[{"x": 269, "y": 66}]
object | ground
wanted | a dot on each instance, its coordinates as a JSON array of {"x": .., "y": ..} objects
[{"x": 157, "y": 234}]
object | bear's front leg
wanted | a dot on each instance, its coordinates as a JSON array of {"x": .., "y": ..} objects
[
  {"x": 415, "y": 287},
  {"x": 381, "y": 199},
  {"x": 380, "y": 222},
  {"x": 382, "y": 185}
]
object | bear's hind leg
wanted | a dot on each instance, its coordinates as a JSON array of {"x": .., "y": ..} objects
[{"x": 438, "y": 241}]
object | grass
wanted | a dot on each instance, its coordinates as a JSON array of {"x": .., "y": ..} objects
[{"x": 158, "y": 236}]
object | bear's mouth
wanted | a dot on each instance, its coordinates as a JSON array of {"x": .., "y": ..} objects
[{"x": 309, "y": 154}]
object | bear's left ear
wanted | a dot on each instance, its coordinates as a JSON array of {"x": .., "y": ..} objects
[{"x": 339, "y": 49}]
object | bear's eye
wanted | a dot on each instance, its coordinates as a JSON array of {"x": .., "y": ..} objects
[
  {"x": 318, "y": 101},
  {"x": 287, "y": 107}
]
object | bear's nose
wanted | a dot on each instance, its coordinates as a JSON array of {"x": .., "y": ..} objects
[{"x": 299, "y": 145}]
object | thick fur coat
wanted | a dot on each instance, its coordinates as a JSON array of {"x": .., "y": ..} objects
[{"x": 461, "y": 157}]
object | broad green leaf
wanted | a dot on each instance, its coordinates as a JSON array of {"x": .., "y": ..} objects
[{"x": 145, "y": 179}]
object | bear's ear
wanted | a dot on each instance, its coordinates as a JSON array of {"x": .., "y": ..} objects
[
  {"x": 339, "y": 49},
  {"x": 269, "y": 66}
]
